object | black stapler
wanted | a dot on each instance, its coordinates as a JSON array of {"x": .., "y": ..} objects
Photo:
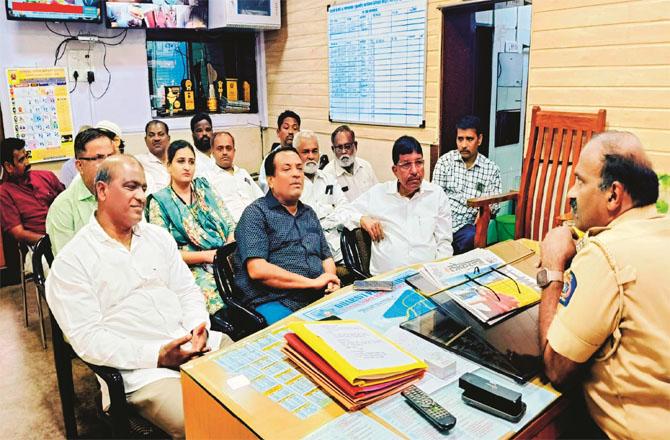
[{"x": 491, "y": 397}]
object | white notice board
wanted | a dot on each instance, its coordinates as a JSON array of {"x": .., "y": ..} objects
[{"x": 376, "y": 60}]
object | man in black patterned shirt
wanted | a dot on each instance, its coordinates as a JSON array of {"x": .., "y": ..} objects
[{"x": 464, "y": 174}]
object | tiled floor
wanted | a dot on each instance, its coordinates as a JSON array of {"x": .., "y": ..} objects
[{"x": 29, "y": 401}]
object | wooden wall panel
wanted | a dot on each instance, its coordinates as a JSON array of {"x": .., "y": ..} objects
[{"x": 591, "y": 54}]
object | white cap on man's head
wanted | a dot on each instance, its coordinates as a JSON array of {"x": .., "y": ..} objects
[{"x": 109, "y": 126}]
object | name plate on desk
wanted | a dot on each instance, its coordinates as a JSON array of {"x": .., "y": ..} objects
[{"x": 510, "y": 347}]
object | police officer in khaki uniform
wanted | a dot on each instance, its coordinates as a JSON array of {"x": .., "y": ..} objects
[{"x": 609, "y": 309}]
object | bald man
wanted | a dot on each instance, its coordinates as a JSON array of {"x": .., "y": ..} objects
[
  {"x": 606, "y": 298},
  {"x": 124, "y": 297}
]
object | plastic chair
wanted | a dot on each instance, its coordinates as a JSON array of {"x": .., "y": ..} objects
[
  {"x": 41, "y": 250},
  {"x": 244, "y": 320},
  {"x": 355, "y": 245},
  {"x": 119, "y": 418}
]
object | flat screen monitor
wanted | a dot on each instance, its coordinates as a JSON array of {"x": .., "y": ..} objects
[
  {"x": 157, "y": 14},
  {"x": 54, "y": 10}
]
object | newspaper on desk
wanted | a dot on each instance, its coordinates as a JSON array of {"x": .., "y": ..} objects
[{"x": 480, "y": 282}]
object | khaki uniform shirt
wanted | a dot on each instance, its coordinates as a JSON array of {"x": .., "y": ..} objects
[{"x": 628, "y": 392}]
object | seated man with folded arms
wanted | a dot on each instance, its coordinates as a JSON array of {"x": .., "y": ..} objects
[
  {"x": 408, "y": 219},
  {"x": 605, "y": 298},
  {"x": 124, "y": 297},
  {"x": 73, "y": 208},
  {"x": 157, "y": 139},
  {"x": 464, "y": 174},
  {"x": 282, "y": 262},
  {"x": 25, "y": 195},
  {"x": 321, "y": 191},
  {"x": 355, "y": 175},
  {"x": 288, "y": 123},
  {"x": 233, "y": 184}
]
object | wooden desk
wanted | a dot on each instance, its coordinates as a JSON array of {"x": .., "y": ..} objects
[{"x": 222, "y": 405}]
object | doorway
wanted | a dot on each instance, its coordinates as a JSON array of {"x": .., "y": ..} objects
[{"x": 485, "y": 48}]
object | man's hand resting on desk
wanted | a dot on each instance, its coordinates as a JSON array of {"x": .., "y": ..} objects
[
  {"x": 172, "y": 355},
  {"x": 373, "y": 227}
]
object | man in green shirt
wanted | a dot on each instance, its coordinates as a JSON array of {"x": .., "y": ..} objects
[{"x": 73, "y": 207}]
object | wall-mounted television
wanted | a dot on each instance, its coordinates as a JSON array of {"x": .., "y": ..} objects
[
  {"x": 157, "y": 14},
  {"x": 246, "y": 14},
  {"x": 54, "y": 10}
]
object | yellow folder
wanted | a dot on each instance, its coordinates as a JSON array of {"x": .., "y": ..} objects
[{"x": 361, "y": 355}]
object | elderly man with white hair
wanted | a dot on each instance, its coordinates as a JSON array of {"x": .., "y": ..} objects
[{"x": 321, "y": 191}]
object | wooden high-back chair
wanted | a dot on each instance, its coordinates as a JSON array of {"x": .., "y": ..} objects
[{"x": 554, "y": 144}]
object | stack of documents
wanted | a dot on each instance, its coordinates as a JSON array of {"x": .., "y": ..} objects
[
  {"x": 480, "y": 282},
  {"x": 351, "y": 362}
]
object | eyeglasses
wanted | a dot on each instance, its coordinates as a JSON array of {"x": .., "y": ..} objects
[
  {"x": 343, "y": 147},
  {"x": 405, "y": 166},
  {"x": 474, "y": 280},
  {"x": 96, "y": 158}
]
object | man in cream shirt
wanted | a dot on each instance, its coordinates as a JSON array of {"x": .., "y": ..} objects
[
  {"x": 233, "y": 184},
  {"x": 408, "y": 219},
  {"x": 124, "y": 297},
  {"x": 157, "y": 139},
  {"x": 355, "y": 175}
]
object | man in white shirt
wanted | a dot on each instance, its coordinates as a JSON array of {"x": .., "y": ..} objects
[
  {"x": 201, "y": 129},
  {"x": 233, "y": 184},
  {"x": 157, "y": 139},
  {"x": 321, "y": 191},
  {"x": 124, "y": 297},
  {"x": 408, "y": 219},
  {"x": 355, "y": 175},
  {"x": 288, "y": 123}
]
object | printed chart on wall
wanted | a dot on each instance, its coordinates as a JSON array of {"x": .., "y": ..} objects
[
  {"x": 40, "y": 111},
  {"x": 376, "y": 60}
]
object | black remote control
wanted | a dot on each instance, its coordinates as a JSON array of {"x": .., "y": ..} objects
[{"x": 432, "y": 411}]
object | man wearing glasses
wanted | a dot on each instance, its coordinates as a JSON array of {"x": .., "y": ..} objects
[
  {"x": 408, "y": 219},
  {"x": 73, "y": 208},
  {"x": 355, "y": 175}
]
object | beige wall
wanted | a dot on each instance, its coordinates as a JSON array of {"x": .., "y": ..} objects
[
  {"x": 297, "y": 73},
  {"x": 585, "y": 55},
  {"x": 591, "y": 54}
]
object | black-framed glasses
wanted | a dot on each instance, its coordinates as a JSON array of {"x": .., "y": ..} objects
[
  {"x": 493, "y": 269},
  {"x": 348, "y": 147},
  {"x": 96, "y": 158}
]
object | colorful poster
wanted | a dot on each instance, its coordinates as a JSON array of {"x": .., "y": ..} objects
[{"x": 40, "y": 112}]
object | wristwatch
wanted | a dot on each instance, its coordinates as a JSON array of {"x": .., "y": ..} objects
[{"x": 545, "y": 277}]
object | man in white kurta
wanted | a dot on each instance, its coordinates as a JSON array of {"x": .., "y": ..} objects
[
  {"x": 322, "y": 192},
  {"x": 124, "y": 297},
  {"x": 408, "y": 219},
  {"x": 233, "y": 184}
]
